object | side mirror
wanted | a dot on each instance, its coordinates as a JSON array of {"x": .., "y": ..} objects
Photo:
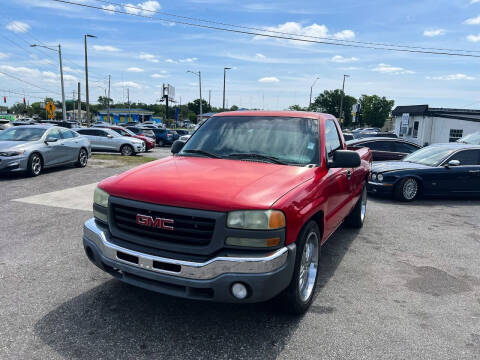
[
  {"x": 177, "y": 146},
  {"x": 50, "y": 139},
  {"x": 109, "y": 136},
  {"x": 453, "y": 163},
  {"x": 344, "y": 159}
]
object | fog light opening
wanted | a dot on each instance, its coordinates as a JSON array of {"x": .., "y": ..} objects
[
  {"x": 89, "y": 253},
  {"x": 239, "y": 291}
]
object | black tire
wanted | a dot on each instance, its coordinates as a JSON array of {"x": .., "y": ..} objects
[
  {"x": 160, "y": 143},
  {"x": 407, "y": 189},
  {"x": 290, "y": 300},
  {"x": 35, "y": 164},
  {"x": 356, "y": 218},
  {"x": 127, "y": 150},
  {"x": 82, "y": 158}
]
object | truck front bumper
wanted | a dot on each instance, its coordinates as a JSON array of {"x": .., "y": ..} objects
[{"x": 264, "y": 276}]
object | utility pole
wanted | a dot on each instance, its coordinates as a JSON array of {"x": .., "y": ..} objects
[
  {"x": 199, "y": 74},
  {"x": 224, "y": 80},
  {"x": 79, "y": 104},
  {"x": 73, "y": 105},
  {"x": 108, "y": 99},
  {"x": 128, "y": 99},
  {"x": 311, "y": 90},
  {"x": 343, "y": 94},
  {"x": 209, "y": 96},
  {"x": 86, "y": 77}
]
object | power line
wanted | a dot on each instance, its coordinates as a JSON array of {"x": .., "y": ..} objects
[
  {"x": 280, "y": 32},
  {"x": 23, "y": 94},
  {"x": 273, "y": 36},
  {"x": 29, "y": 83}
]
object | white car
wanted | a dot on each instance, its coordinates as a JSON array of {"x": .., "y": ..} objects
[{"x": 103, "y": 139}]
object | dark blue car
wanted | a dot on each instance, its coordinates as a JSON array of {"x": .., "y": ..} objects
[{"x": 436, "y": 170}]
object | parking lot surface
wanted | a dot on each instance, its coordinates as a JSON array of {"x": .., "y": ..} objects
[{"x": 406, "y": 286}]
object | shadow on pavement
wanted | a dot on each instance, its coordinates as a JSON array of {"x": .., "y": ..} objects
[{"x": 115, "y": 320}]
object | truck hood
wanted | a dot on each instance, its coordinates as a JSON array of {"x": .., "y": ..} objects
[
  {"x": 208, "y": 184},
  {"x": 383, "y": 166}
]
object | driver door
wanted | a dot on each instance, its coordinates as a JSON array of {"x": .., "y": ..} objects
[{"x": 55, "y": 152}]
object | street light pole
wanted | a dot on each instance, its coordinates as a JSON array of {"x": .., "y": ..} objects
[
  {"x": 64, "y": 108},
  {"x": 86, "y": 78},
  {"x": 224, "y": 77},
  {"x": 199, "y": 74},
  {"x": 343, "y": 94},
  {"x": 311, "y": 90}
]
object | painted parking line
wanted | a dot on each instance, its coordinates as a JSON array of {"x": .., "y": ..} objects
[{"x": 77, "y": 198}]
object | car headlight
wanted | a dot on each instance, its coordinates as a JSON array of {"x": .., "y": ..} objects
[
  {"x": 12, "y": 153},
  {"x": 374, "y": 177},
  {"x": 256, "y": 219},
  {"x": 380, "y": 177},
  {"x": 100, "y": 205}
]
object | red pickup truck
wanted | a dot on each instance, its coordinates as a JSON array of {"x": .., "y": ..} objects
[{"x": 237, "y": 214}]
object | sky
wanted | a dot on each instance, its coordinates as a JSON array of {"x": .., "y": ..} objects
[{"x": 143, "y": 52}]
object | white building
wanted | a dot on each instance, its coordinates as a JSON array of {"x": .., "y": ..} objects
[{"x": 424, "y": 125}]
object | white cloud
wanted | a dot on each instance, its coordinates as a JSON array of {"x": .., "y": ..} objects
[
  {"x": 17, "y": 26},
  {"x": 131, "y": 84},
  {"x": 69, "y": 69},
  {"x": 310, "y": 32},
  {"x": 451, "y": 77},
  {"x": 474, "y": 1},
  {"x": 3, "y": 56},
  {"x": 260, "y": 56},
  {"x": 434, "y": 32},
  {"x": 473, "y": 38},
  {"x": 272, "y": 79},
  {"x": 158, "y": 76},
  {"x": 188, "y": 60},
  {"x": 473, "y": 21},
  {"x": 109, "y": 9},
  {"x": 36, "y": 75},
  {"x": 171, "y": 61},
  {"x": 341, "y": 59},
  {"x": 107, "y": 48},
  {"x": 388, "y": 69},
  {"x": 146, "y": 8},
  {"x": 135, "y": 69},
  {"x": 148, "y": 57}
]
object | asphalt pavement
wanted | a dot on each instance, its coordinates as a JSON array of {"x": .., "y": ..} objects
[{"x": 406, "y": 286}]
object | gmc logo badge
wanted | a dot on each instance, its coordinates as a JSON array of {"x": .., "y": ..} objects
[{"x": 159, "y": 223}]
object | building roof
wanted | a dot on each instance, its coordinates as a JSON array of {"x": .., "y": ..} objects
[
  {"x": 125, "y": 111},
  {"x": 447, "y": 113}
]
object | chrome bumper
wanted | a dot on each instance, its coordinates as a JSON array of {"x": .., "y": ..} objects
[{"x": 187, "y": 269}]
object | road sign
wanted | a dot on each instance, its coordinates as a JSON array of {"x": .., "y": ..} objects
[
  {"x": 405, "y": 119},
  {"x": 50, "y": 107}
]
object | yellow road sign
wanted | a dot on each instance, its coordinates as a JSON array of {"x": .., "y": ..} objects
[{"x": 50, "y": 107}]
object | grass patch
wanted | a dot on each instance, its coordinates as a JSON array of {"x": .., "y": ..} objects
[{"x": 123, "y": 160}]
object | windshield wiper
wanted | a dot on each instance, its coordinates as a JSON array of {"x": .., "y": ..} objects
[
  {"x": 258, "y": 156},
  {"x": 202, "y": 152}
]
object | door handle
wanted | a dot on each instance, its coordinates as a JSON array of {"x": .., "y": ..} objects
[{"x": 349, "y": 174}]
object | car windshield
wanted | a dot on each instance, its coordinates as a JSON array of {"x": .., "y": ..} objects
[
  {"x": 272, "y": 139},
  {"x": 471, "y": 139},
  {"x": 22, "y": 134},
  {"x": 430, "y": 155}
]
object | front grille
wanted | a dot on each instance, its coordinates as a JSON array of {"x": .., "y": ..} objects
[{"x": 188, "y": 230}]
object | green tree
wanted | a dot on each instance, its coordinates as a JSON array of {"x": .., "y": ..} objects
[
  {"x": 103, "y": 101},
  {"x": 375, "y": 109},
  {"x": 234, "y": 108},
  {"x": 296, "y": 108},
  {"x": 195, "y": 106},
  {"x": 329, "y": 102}
]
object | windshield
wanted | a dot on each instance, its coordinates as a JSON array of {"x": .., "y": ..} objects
[
  {"x": 471, "y": 139},
  {"x": 22, "y": 134},
  {"x": 124, "y": 132},
  {"x": 430, "y": 155},
  {"x": 287, "y": 140}
]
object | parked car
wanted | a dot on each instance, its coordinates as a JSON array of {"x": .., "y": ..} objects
[
  {"x": 363, "y": 134},
  {"x": 440, "y": 169},
  {"x": 32, "y": 148},
  {"x": 232, "y": 217},
  {"x": 141, "y": 132},
  {"x": 174, "y": 133},
  {"x": 5, "y": 124},
  {"x": 24, "y": 121},
  {"x": 149, "y": 142},
  {"x": 130, "y": 123},
  {"x": 105, "y": 139},
  {"x": 185, "y": 137},
  {"x": 473, "y": 139},
  {"x": 385, "y": 148},
  {"x": 101, "y": 124},
  {"x": 348, "y": 136},
  {"x": 182, "y": 132},
  {"x": 163, "y": 136}
]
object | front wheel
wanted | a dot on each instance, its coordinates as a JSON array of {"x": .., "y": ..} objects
[
  {"x": 407, "y": 189},
  {"x": 35, "y": 165},
  {"x": 299, "y": 294},
  {"x": 127, "y": 150},
  {"x": 82, "y": 158}
]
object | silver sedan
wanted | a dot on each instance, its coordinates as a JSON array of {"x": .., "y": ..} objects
[
  {"x": 104, "y": 139},
  {"x": 32, "y": 148}
]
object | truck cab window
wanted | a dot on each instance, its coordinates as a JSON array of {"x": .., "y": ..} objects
[{"x": 332, "y": 138}]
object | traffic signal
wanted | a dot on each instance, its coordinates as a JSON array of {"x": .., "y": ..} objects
[
  {"x": 5, "y": 99},
  {"x": 24, "y": 101}
]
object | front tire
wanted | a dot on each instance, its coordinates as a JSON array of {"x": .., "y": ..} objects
[
  {"x": 357, "y": 216},
  {"x": 407, "y": 189},
  {"x": 298, "y": 296},
  {"x": 35, "y": 165},
  {"x": 160, "y": 143},
  {"x": 82, "y": 158},
  {"x": 127, "y": 150}
]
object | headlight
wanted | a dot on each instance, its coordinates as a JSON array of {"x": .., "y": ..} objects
[
  {"x": 380, "y": 177},
  {"x": 374, "y": 177},
  {"x": 100, "y": 197},
  {"x": 12, "y": 153},
  {"x": 256, "y": 219}
]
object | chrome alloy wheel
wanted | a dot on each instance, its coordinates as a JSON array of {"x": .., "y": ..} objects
[
  {"x": 127, "y": 150},
  {"x": 363, "y": 210},
  {"x": 83, "y": 158},
  {"x": 308, "y": 267},
  {"x": 410, "y": 189},
  {"x": 36, "y": 164}
]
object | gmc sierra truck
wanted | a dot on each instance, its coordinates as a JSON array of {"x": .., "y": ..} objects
[{"x": 238, "y": 213}]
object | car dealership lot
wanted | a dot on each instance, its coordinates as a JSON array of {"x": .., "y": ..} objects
[{"x": 405, "y": 286}]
